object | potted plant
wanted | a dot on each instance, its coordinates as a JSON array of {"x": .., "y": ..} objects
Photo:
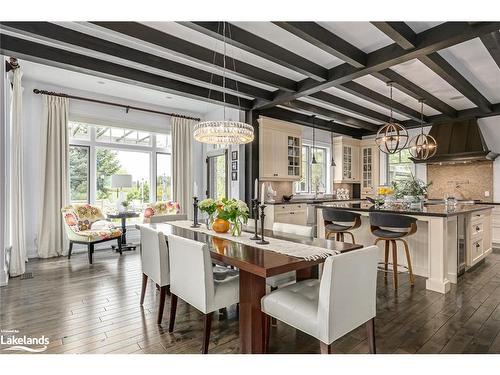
[
  {"x": 209, "y": 206},
  {"x": 233, "y": 211},
  {"x": 412, "y": 190},
  {"x": 125, "y": 205}
]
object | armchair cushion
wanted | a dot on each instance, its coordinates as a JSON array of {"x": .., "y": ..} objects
[
  {"x": 162, "y": 208},
  {"x": 85, "y": 223}
]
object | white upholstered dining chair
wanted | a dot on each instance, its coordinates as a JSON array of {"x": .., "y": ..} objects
[
  {"x": 155, "y": 264},
  {"x": 299, "y": 230},
  {"x": 194, "y": 280},
  {"x": 329, "y": 308}
]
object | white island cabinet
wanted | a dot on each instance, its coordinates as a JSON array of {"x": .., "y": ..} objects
[{"x": 446, "y": 242}]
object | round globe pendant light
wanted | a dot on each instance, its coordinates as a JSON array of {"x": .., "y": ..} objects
[
  {"x": 224, "y": 132},
  {"x": 422, "y": 146},
  {"x": 391, "y": 137}
]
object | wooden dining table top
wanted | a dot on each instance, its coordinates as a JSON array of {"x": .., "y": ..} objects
[{"x": 255, "y": 260}]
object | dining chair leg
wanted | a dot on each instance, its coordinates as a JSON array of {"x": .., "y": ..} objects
[
  {"x": 267, "y": 331},
  {"x": 70, "y": 249},
  {"x": 207, "y": 325},
  {"x": 119, "y": 240},
  {"x": 408, "y": 261},
  {"x": 395, "y": 263},
  {"x": 143, "y": 289},
  {"x": 90, "y": 248},
  {"x": 274, "y": 322},
  {"x": 163, "y": 293},
  {"x": 168, "y": 291},
  {"x": 325, "y": 348},
  {"x": 173, "y": 310},
  {"x": 370, "y": 331}
]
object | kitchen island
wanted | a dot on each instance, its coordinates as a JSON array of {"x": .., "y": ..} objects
[{"x": 448, "y": 240}]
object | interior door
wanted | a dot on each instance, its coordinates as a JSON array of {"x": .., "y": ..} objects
[{"x": 217, "y": 179}]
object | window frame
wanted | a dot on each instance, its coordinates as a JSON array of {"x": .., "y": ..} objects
[
  {"x": 388, "y": 164},
  {"x": 88, "y": 172},
  {"x": 93, "y": 145},
  {"x": 326, "y": 168}
]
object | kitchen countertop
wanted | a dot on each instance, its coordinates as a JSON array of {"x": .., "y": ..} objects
[
  {"x": 439, "y": 210},
  {"x": 311, "y": 201}
]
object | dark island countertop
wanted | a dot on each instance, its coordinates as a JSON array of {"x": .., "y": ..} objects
[
  {"x": 439, "y": 210},
  {"x": 310, "y": 201}
]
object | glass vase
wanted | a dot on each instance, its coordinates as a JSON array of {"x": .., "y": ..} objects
[
  {"x": 210, "y": 221},
  {"x": 236, "y": 228}
]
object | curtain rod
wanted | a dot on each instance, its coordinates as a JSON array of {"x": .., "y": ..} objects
[{"x": 127, "y": 107}]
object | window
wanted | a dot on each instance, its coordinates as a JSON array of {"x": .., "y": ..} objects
[
  {"x": 79, "y": 164},
  {"x": 314, "y": 176},
  {"x": 97, "y": 152},
  {"x": 399, "y": 166}
]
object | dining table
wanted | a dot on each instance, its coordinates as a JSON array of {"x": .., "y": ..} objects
[{"x": 255, "y": 264}]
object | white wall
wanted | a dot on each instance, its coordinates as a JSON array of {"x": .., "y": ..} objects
[
  {"x": 80, "y": 110},
  {"x": 490, "y": 127}
]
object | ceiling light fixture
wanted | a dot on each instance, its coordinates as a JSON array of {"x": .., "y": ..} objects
[
  {"x": 332, "y": 163},
  {"x": 314, "y": 142},
  {"x": 224, "y": 132},
  {"x": 392, "y": 137},
  {"x": 422, "y": 146}
]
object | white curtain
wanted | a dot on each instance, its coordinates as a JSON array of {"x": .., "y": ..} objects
[
  {"x": 18, "y": 252},
  {"x": 182, "y": 163},
  {"x": 54, "y": 169}
]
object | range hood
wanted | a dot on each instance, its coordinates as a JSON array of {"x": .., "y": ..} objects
[{"x": 458, "y": 142}]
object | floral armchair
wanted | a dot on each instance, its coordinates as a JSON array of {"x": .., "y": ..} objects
[
  {"x": 85, "y": 224},
  {"x": 163, "y": 211}
]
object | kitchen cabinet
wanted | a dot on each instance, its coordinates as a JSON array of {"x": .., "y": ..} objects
[
  {"x": 369, "y": 168},
  {"x": 280, "y": 145},
  {"x": 347, "y": 159},
  {"x": 479, "y": 236},
  {"x": 291, "y": 213}
]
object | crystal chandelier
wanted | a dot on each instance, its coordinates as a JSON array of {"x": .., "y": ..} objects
[
  {"x": 422, "y": 146},
  {"x": 392, "y": 137},
  {"x": 224, "y": 132}
]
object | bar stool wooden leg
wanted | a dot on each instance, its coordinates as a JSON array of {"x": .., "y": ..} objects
[
  {"x": 386, "y": 260},
  {"x": 352, "y": 236},
  {"x": 408, "y": 260},
  {"x": 395, "y": 263}
]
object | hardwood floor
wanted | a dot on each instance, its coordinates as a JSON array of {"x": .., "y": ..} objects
[{"x": 95, "y": 309}]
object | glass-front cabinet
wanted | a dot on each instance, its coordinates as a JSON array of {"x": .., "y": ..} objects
[
  {"x": 294, "y": 155},
  {"x": 347, "y": 159},
  {"x": 370, "y": 160}
]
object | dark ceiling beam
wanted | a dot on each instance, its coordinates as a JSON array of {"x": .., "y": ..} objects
[
  {"x": 327, "y": 41},
  {"x": 40, "y": 53},
  {"x": 492, "y": 44},
  {"x": 441, "y": 36},
  {"x": 75, "y": 38},
  {"x": 347, "y": 105},
  {"x": 416, "y": 92},
  {"x": 256, "y": 45},
  {"x": 399, "y": 32},
  {"x": 445, "y": 70},
  {"x": 345, "y": 119},
  {"x": 198, "y": 54},
  {"x": 305, "y": 120},
  {"x": 364, "y": 92}
]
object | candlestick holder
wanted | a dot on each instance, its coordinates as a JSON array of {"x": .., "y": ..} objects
[
  {"x": 262, "y": 241},
  {"x": 255, "y": 208},
  {"x": 195, "y": 213}
]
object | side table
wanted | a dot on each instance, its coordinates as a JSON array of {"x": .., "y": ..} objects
[{"x": 124, "y": 216}]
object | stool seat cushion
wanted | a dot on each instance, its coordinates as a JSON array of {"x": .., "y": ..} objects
[
  {"x": 388, "y": 233},
  {"x": 296, "y": 305},
  {"x": 336, "y": 227}
]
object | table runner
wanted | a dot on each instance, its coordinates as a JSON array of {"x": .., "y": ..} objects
[{"x": 306, "y": 252}]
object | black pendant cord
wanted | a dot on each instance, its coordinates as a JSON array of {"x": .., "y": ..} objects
[
  {"x": 390, "y": 117},
  {"x": 332, "y": 164},
  {"x": 421, "y": 116},
  {"x": 255, "y": 208},
  {"x": 313, "y": 161},
  {"x": 262, "y": 241}
]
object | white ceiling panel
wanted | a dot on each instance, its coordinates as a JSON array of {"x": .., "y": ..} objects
[
  {"x": 289, "y": 41},
  {"x": 317, "y": 115},
  {"x": 106, "y": 34},
  {"x": 472, "y": 60},
  {"x": 338, "y": 109},
  {"x": 420, "y": 26},
  {"x": 365, "y": 103},
  {"x": 418, "y": 73},
  {"x": 363, "y": 35},
  {"x": 203, "y": 40},
  {"x": 381, "y": 87}
]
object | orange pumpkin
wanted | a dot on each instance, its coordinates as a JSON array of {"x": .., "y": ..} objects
[{"x": 220, "y": 225}]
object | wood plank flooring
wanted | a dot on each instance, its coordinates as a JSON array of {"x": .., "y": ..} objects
[{"x": 95, "y": 309}]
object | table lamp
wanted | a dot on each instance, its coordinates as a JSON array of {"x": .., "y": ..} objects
[{"x": 120, "y": 181}]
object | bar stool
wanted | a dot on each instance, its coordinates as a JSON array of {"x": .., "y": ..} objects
[
  {"x": 333, "y": 218},
  {"x": 391, "y": 228}
]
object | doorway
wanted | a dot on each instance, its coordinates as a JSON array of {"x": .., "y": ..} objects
[{"x": 217, "y": 180}]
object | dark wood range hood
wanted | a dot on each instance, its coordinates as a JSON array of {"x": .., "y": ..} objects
[{"x": 459, "y": 142}]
